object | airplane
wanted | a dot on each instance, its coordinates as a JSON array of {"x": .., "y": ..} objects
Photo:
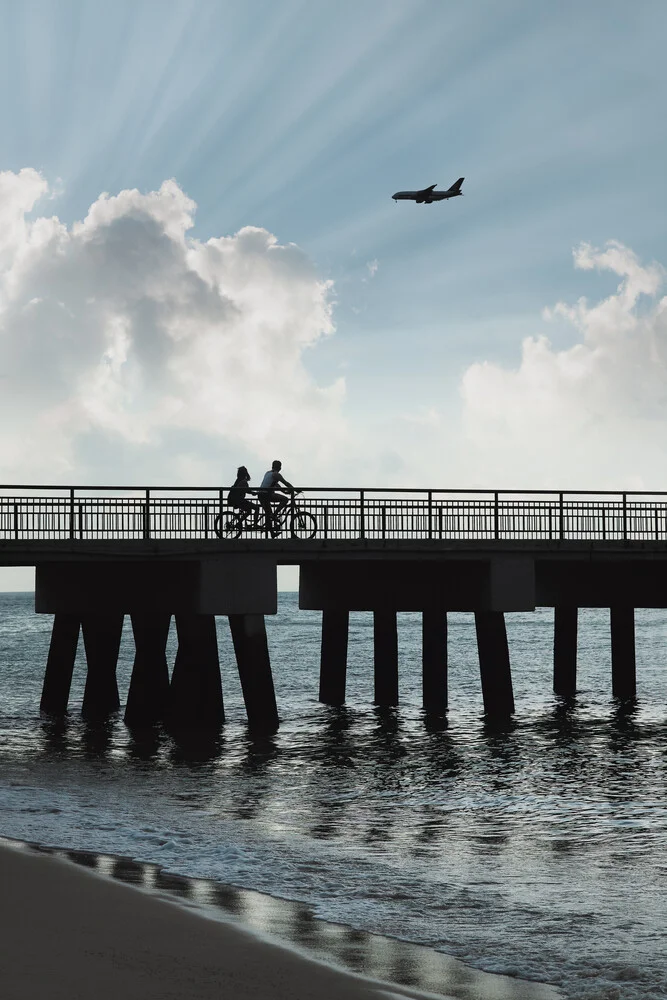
[{"x": 429, "y": 194}]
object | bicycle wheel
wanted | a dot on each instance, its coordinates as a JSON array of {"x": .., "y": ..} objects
[
  {"x": 228, "y": 525},
  {"x": 303, "y": 524}
]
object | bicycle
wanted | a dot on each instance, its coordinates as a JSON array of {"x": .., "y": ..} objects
[{"x": 301, "y": 523}]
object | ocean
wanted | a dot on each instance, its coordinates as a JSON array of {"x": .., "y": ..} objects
[{"x": 535, "y": 850}]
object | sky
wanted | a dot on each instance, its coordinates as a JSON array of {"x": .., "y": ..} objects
[{"x": 201, "y": 264}]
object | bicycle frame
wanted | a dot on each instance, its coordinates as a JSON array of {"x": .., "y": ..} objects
[{"x": 290, "y": 517}]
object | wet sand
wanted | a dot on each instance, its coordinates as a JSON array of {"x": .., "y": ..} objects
[{"x": 66, "y": 932}]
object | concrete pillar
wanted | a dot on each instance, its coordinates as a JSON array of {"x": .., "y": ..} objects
[
  {"x": 623, "y": 667},
  {"x": 333, "y": 658},
  {"x": 565, "y": 650},
  {"x": 195, "y": 692},
  {"x": 254, "y": 665},
  {"x": 494, "y": 663},
  {"x": 149, "y": 687},
  {"x": 434, "y": 662},
  {"x": 60, "y": 664},
  {"x": 101, "y": 640},
  {"x": 385, "y": 635}
]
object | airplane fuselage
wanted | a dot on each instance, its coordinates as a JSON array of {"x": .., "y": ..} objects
[
  {"x": 426, "y": 199},
  {"x": 429, "y": 194}
]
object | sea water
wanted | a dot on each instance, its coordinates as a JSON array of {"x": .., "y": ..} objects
[{"x": 537, "y": 850}]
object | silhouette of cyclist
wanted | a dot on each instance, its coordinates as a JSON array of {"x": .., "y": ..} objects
[
  {"x": 273, "y": 501},
  {"x": 237, "y": 495}
]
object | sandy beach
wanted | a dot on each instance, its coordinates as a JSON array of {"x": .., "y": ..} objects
[{"x": 66, "y": 933}]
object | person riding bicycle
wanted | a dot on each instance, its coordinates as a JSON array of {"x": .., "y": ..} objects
[
  {"x": 236, "y": 496},
  {"x": 273, "y": 501}
]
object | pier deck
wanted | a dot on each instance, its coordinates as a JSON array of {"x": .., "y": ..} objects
[{"x": 101, "y": 554}]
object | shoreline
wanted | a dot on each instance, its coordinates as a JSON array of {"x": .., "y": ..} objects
[{"x": 315, "y": 959}]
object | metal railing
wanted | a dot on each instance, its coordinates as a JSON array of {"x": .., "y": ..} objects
[{"x": 31, "y": 513}]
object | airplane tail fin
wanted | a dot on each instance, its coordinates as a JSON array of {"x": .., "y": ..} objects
[{"x": 456, "y": 186}]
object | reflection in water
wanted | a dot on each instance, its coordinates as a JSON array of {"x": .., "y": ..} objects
[
  {"x": 435, "y": 723},
  {"x": 85, "y": 858},
  {"x": 54, "y": 731},
  {"x": 489, "y": 842},
  {"x": 370, "y": 955},
  {"x": 173, "y": 884},
  {"x": 144, "y": 743},
  {"x": 261, "y": 752},
  {"x": 192, "y": 747},
  {"x": 228, "y": 899},
  {"x": 336, "y": 741},
  {"x": 96, "y": 737},
  {"x": 126, "y": 870},
  {"x": 498, "y": 733},
  {"x": 624, "y": 723}
]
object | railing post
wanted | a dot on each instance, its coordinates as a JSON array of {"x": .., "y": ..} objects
[
  {"x": 430, "y": 514},
  {"x": 205, "y": 520},
  {"x": 362, "y": 523},
  {"x": 625, "y": 517},
  {"x": 80, "y": 520},
  {"x": 496, "y": 522},
  {"x": 147, "y": 515},
  {"x": 326, "y": 522},
  {"x": 72, "y": 525},
  {"x": 16, "y": 520},
  {"x": 561, "y": 517},
  {"x": 383, "y": 521}
]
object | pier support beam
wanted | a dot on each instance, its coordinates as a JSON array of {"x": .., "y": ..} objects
[
  {"x": 565, "y": 650},
  {"x": 149, "y": 686},
  {"x": 623, "y": 666},
  {"x": 385, "y": 635},
  {"x": 254, "y": 665},
  {"x": 101, "y": 639},
  {"x": 333, "y": 657},
  {"x": 60, "y": 664},
  {"x": 434, "y": 662},
  {"x": 494, "y": 663},
  {"x": 195, "y": 693}
]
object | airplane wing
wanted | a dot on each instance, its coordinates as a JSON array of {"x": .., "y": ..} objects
[{"x": 428, "y": 189}]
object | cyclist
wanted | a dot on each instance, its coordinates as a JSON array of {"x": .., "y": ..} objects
[
  {"x": 273, "y": 501},
  {"x": 236, "y": 496}
]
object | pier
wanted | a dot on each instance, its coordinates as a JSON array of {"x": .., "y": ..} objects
[{"x": 105, "y": 554}]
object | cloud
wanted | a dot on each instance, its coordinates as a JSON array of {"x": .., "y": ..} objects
[
  {"x": 132, "y": 352},
  {"x": 128, "y": 346},
  {"x": 593, "y": 415}
]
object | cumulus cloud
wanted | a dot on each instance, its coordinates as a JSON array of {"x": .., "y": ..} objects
[
  {"x": 127, "y": 345},
  {"x": 132, "y": 352},
  {"x": 593, "y": 415}
]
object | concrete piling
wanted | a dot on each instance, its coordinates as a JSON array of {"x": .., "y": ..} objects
[
  {"x": 60, "y": 664},
  {"x": 333, "y": 657},
  {"x": 494, "y": 663},
  {"x": 623, "y": 663},
  {"x": 195, "y": 692},
  {"x": 434, "y": 662},
  {"x": 385, "y": 636},
  {"x": 148, "y": 694},
  {"x": 101, "y": 640},
  {"x": 565, "y": 650},
  {"x": 254, "y": 666}
]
